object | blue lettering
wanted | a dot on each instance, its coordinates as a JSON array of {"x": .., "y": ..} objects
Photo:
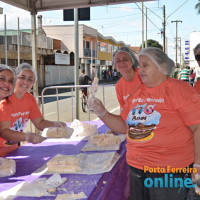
[
  {"x": 171, "y": 181},
  {"x": 188, "y": 183},
  {"x": 156, "y": 181},
  {"x": 180, "y": 180},
  {"x": 150, "y": 184},
  {"x": 166, "y": 180}
]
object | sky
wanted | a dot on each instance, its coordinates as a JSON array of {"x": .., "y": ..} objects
[{"x": 124, "y": 21}]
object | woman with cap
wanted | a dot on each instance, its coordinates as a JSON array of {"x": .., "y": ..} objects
[
  {"x": 162, "y": 122},
  {"x": 126, "y": 63},
  {"x": 7, "y": 81},
  {"x": 18, "y": 109}
]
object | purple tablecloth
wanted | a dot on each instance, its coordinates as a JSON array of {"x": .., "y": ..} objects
[{"x": 107, "y": 186}]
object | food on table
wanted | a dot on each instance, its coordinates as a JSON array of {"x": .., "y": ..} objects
[
  {"x": 7, "y": 167},
  {"x": 103, "y": 140},
  {"x": 64, "y": 164},
  {"x": 56, "y": 132}
]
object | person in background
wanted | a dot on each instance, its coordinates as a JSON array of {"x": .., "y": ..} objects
[
  {"x": 197, "y": 70},
  {"x": 84, "y": 80},
  {"x": 16, "y": 111},
  {"x": 126, "y": 63},
  {"x": 162, "y": 123},
  {"x": 185, "y": 73},
  {"x": 7, "y": 81},
  {"x": 191, "y": 77}
]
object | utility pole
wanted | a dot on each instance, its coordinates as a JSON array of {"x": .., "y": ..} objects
[
  {"x": 164, "y": 24},
  {"x": 142, "y": 26},
  {"x": 180, "y": 52},
  {"x": 6, "y": 41},
  {"x": 146, "y": 29},
  {"x": 177, "y": 21}
]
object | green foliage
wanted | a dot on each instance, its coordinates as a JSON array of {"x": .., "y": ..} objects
[{"x": 152, "y": 43}]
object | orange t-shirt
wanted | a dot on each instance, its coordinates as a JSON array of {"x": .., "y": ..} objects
[
  {"x": 157, "y": 120},
  {"x": 197, "y": 86},
  {"x": 18, "y": 112},
  {"x": 124, "y": 89}
]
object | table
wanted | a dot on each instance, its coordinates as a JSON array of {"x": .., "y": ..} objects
[{"x": 106, "y": 186}]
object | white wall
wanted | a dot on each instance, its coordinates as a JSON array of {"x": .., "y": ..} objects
[{"x": 56, "y": 75}]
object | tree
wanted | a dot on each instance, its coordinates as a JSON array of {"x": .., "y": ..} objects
[
  {"x": 152, "y": 43},
  {"x": 197, "y": 7}
]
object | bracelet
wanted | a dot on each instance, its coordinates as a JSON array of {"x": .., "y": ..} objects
[
  {"x": 196, "y": 165},
  {"x": 103, "y": 113}
]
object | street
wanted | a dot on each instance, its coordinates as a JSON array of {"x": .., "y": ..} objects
[{"x": 67, "y": 114}]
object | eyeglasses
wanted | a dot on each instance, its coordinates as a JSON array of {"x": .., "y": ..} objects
[{"x": 197, "y": 57}]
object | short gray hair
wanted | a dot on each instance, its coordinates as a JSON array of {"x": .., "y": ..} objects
[
  {"x": 129, "y": 52},
  {"x": 26, "y": 66},
  {"x": 159, "y": 57}
]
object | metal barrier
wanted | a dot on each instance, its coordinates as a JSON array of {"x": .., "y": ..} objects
[{"x": 72, "y": 91}]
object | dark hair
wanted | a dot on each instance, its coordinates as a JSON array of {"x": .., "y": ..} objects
[{"x": 83, "y": 70}]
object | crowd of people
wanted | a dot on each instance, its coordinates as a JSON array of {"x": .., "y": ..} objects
[
  {"x": 190, "y": 74},
  {"x": 159, "y": 115},
  {"x": 110, "y": 75}
]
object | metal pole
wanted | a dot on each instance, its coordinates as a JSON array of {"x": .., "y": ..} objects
[
  {"x": 91, "y": 50},
  {"x": 76, "y": 62},
  {"x": 176, "y": 42},
  {"x": 18, "y": 43},
  {"x": 164, "y": 29},
  {"x": 142, "y": 26},
  {"x": 146, "y": 29},
  {"x": 5, "y": 32},
  {"x": 176, "y": 38},
  {"x": 34, "y": 50},
  {"x": 180, "y": 52}
]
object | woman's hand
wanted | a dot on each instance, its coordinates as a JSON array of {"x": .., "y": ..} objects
[
  {"x": 60, "y": 124},
  {"x": 34, "y": 138},
  {"x": 97, "y": 106}
]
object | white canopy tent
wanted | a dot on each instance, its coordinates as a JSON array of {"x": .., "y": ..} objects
[{"x": 35, "y": 6}]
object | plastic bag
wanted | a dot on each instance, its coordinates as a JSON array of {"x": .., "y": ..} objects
[{"x": 7, "y": 167}]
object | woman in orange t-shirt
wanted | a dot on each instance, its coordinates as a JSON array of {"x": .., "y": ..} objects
[
  {"x": 162, "y": 122},
  {"x": 16, "y": 111},
  {"x": 125, "y": 62}
]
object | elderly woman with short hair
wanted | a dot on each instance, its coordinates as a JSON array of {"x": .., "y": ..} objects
[
  {"x": 162, "y": 122},
  {"x": 125, "y": 62}
]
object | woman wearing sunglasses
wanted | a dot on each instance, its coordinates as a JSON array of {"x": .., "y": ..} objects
[
  {"x": 18, "y": 109},
  {"x": 197, "y": 57}
]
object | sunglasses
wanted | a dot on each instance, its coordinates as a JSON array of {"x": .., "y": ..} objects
[{"x": 197, "y": 57}]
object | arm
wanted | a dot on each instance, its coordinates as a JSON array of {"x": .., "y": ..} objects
[
  {"x": 196, "y": 131},
  {"x": 10, "y": 135},
  {"x": 40, "y": 123},
  {"x": 114, "y": 122},
  {"x": 15, "y": 136}
]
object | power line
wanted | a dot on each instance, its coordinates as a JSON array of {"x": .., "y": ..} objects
[
  {"x": 148, "y": 18},
  {"x": 177, "y": 9}
]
